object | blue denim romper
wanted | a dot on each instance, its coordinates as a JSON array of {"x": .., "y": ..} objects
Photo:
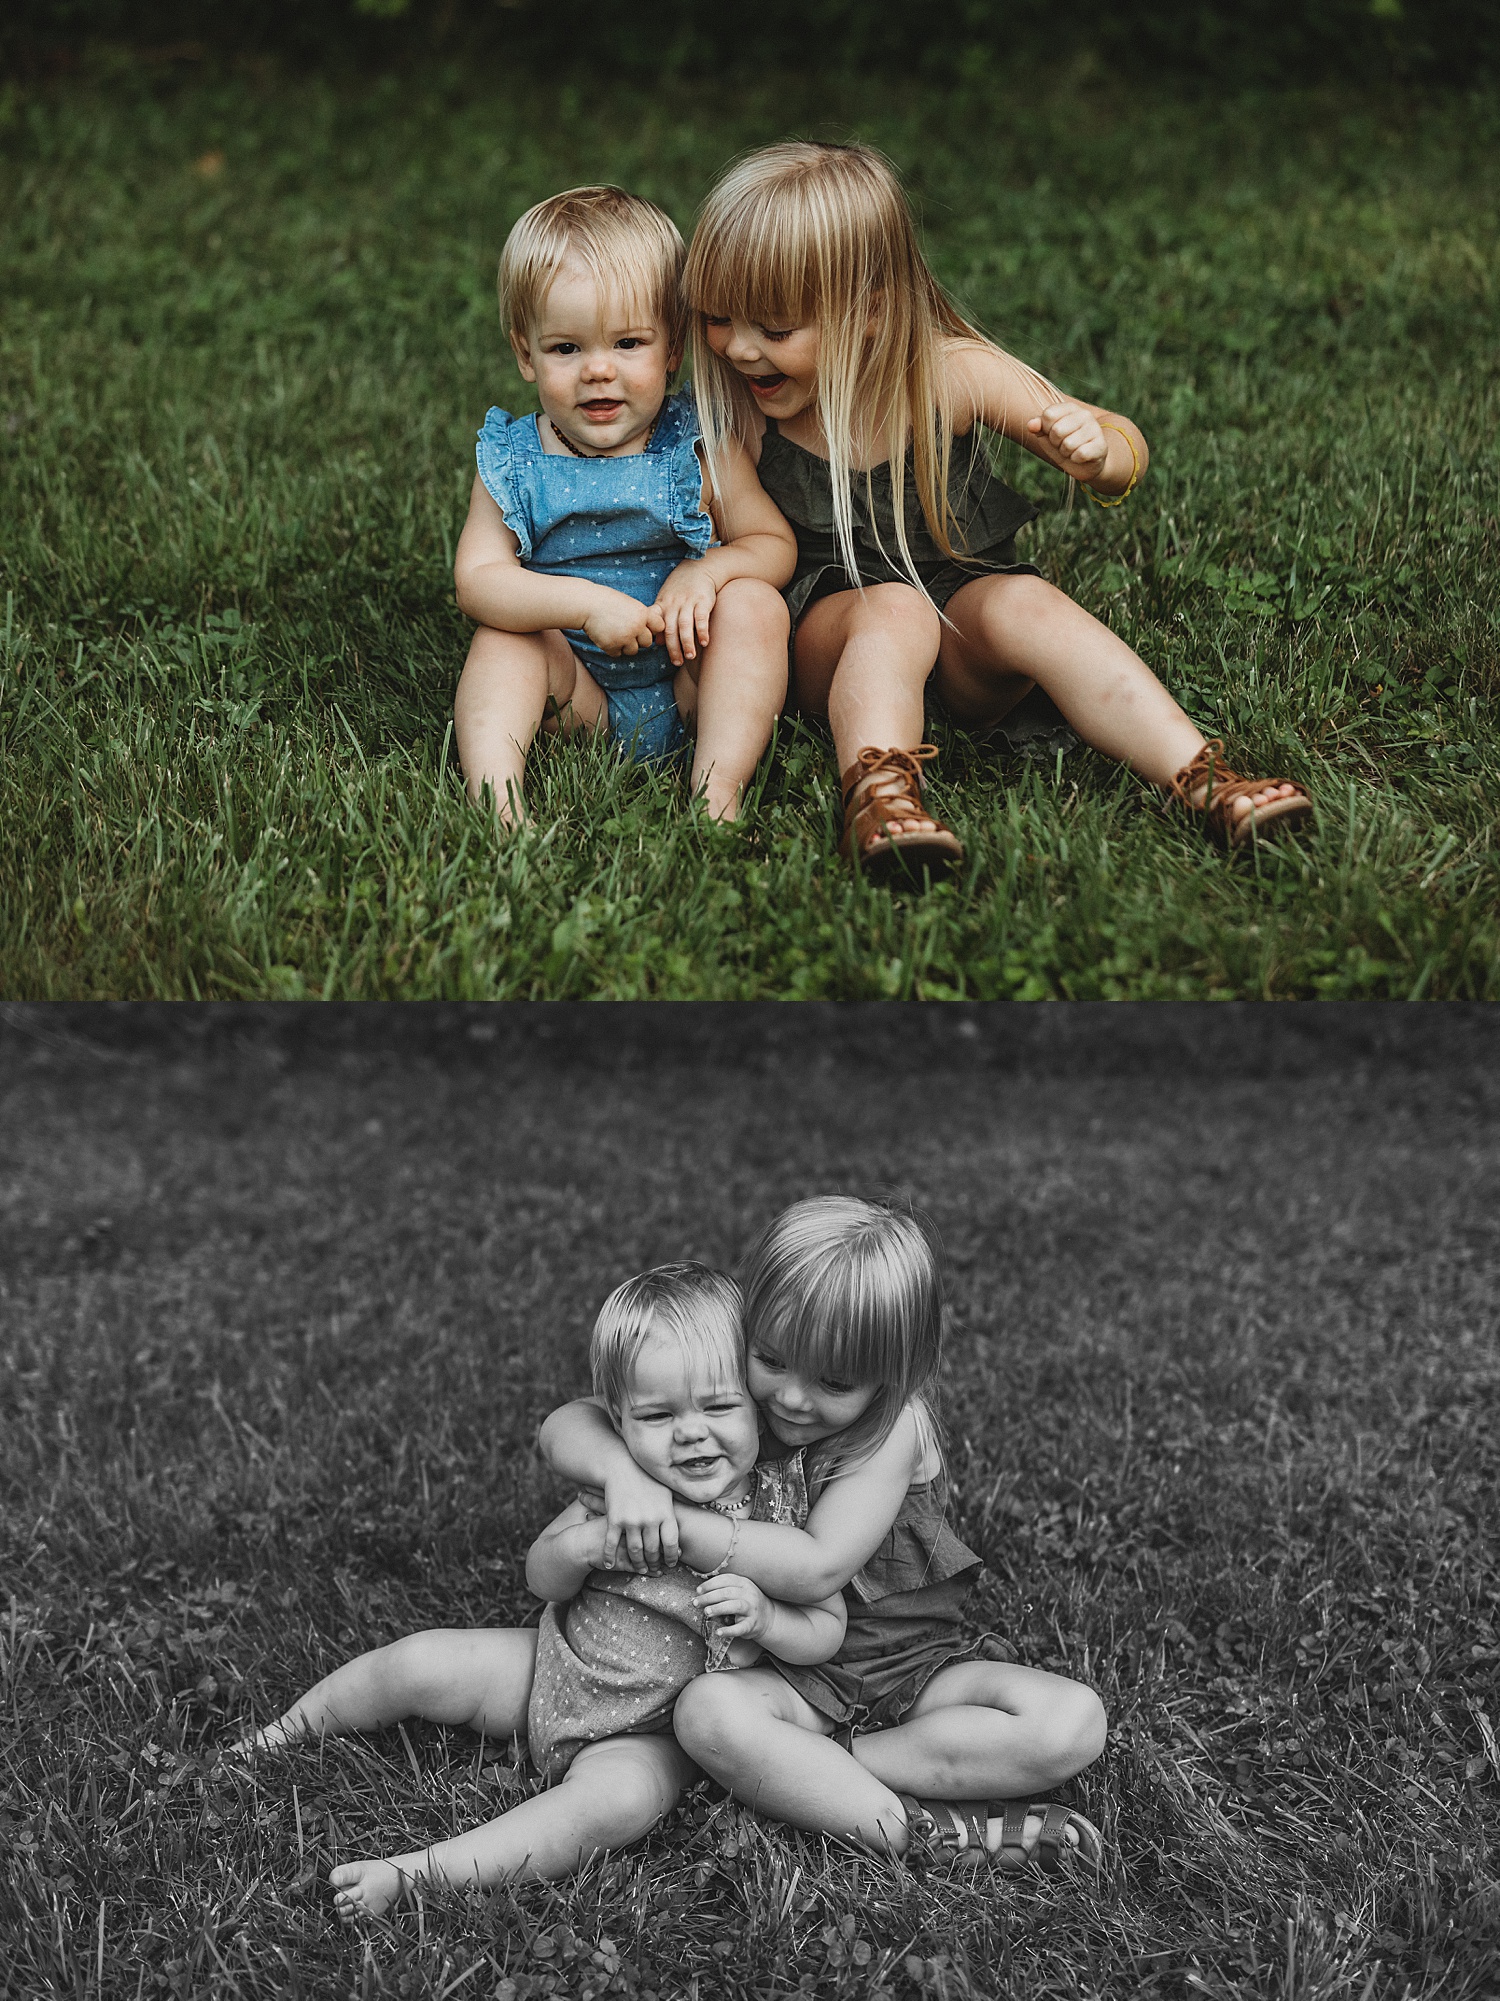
[{"x": 627, "y": 522}]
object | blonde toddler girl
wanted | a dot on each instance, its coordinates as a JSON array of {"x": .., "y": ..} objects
[
  {"x": 614, "y": 590},
  {"x": 593, "y": 1687}
]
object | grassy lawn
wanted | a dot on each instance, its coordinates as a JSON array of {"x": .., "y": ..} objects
[
  {"x": 248, "y": 332},
  {"x": 286, "y": 1298}
]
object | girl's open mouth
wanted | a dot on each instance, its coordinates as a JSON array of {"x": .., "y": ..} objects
[
  {"x": 765, "y": 385},
  {"x": 602, "y": 409}
]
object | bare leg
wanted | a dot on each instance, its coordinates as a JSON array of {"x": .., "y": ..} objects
[
  {"x": 988, "y": 1730},
  {"x": 480, "y": 1679},
  {"x": 863, "y": 660},
  {"x": 501, "y": 702},
  {"x": 1008, "y": 633},
  {"x": 614, "y": 1793},
  {"x": 756, "y": 1735},
  {"x": 740, "y": 682}
]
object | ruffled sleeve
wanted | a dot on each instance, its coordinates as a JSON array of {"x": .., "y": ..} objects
[
  {"x": 678, "y": 436},
  {"x": 494, "y": 454}
]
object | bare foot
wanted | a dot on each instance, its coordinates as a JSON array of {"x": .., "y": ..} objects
[
  {"x": 276, "y": 1736},
  {"x": 365, "y": 1890}
]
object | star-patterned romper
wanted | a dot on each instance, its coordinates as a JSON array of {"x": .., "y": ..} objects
[{"x": 612, "y": 1661}]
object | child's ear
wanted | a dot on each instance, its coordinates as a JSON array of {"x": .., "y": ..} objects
[{"x": 522, "y": 351}]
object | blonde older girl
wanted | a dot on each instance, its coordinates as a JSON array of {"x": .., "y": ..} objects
[{"x": 824, "y": 347}]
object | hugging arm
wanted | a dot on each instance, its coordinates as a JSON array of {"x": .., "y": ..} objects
[
  {"x": 1099, "y": 448},
  {"x": 848, "y": 1522},
  {"x": 579, "y": 1443},
  {"x": 495, "y": 588}
]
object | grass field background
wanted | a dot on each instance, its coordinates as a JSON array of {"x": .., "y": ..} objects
[
  {"x": 247, "y": 332},
  {"x": 286, "y": 1293}
]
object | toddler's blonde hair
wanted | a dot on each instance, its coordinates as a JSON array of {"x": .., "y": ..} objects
[
  {"x": 803, "y": 233},
  {"x": 630, "y": 248},
  {"x": 701, "y": 1308},
  {"x": 850, "y": 1290}
]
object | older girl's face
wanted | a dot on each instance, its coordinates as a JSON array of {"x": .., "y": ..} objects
[
  {"x": 778, "y": 365},
  {"x": 801, "y": 1409}
]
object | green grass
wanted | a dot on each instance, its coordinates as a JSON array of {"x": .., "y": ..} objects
[
  {"x": 236, "y": 422},
  {"x": 284, "y": 1301}
]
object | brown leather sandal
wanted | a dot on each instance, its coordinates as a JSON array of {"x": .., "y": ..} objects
[
  {"x": 882, "y": 787},
  {"x": 1223, "y": 787}
]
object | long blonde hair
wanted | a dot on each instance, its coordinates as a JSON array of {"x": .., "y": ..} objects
[
  {"x": 804, "y": 233},
  {"x": 850, "y": 1289}
]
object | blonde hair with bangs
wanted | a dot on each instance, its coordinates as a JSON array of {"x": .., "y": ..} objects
[
  {"x": 699, "y": 1307},
  {"x": 805, "y": 233},
  {"x": 847, "y": 1289},
  {"x": 631, "y": 249}
]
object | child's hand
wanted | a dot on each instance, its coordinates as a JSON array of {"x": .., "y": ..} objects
[
  {"x": 740, "y": 1609},
  {"x": 1076, "y": 435},
  {"x": 641, "y": 1523},
  {"x": 686, "y": 602},
  {"x": 621, "y": 626}
]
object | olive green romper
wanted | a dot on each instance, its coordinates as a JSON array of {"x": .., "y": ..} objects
[
  {"x": 906, "y": 1618},
  {"x": 987, "y": 512}
]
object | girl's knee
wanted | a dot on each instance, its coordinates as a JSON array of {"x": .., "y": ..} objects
[
  {"x": 751, "y": 602},
  {"x": 1079, "y": 1726},
  {"x": 708, "y": 1714},
  {"x": 901, "y": 610}
]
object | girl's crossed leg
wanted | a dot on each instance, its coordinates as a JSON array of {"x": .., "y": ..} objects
[{"x": 979, "y": 1730}]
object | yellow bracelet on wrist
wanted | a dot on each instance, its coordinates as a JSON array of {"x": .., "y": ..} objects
[{"x": 1135, "y": 472}]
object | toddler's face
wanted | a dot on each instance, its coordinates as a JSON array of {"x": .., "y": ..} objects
[
  {"x": 779, "y": 365},
  {"x": 801, "y": 1409},
  {"x": 695, "y": 1433},
  {"x": 600, "y": 369}
]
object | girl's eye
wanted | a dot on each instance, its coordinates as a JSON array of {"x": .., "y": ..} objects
[
  {"x": 777, "y": 333},
  {"x": 837, "y": 1389},
  {"x": 564, "y": 347},
  {"x": 767, "y": 1361},
  {"x": 716, "y": 320},
  {"x": 630, "y": 340}
]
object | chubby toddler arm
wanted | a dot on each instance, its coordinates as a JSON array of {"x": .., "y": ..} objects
[
  {"x": 495, "y": 588},
  {"x": 564, "y": 1553},
  {"x": 579, "y": 1443}
]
